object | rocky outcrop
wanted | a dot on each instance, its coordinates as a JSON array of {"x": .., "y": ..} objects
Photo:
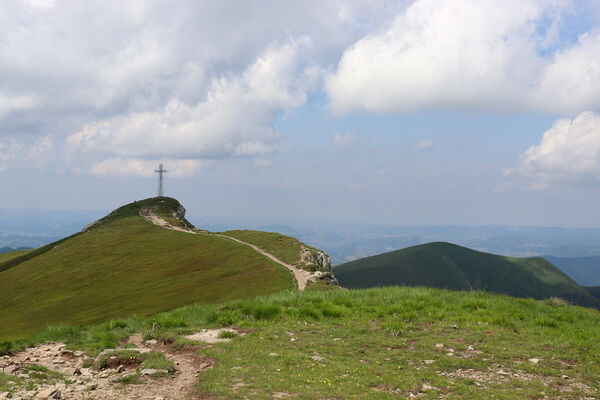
[{"x": 179, "y": 213}]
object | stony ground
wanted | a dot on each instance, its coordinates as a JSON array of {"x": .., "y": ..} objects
[{"x": 50, "y": 371}]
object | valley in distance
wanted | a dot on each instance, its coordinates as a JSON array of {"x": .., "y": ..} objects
[{"x": 142, "y": 304}]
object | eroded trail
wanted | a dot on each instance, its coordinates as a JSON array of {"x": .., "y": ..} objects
[
  {"x": 57, "y": 373},
  {"x": 302, "y": 276}
]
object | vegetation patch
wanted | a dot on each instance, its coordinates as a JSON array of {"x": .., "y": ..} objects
[{"x": 388, "y": 343}]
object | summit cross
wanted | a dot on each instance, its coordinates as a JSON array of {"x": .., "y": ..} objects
[{"x": 160, "y": 171}]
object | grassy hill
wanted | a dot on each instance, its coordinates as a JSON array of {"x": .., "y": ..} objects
[
  {"x": 124, "y": 265},
  {"x": 445, "y": 265},
  {"x": 583, "y": 270},
  {"x": 285, "y": 248},
  {"x": 383, "y": 343}
]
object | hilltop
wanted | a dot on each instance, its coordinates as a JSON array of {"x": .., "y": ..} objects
[
  {"x": 126, "y": 264},
  {"x": 449, "y": 266}
]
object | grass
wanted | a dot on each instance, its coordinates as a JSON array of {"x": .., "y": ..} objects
[
  {"x": 150, "y": 360},
  {"x": 126, "y": 265},
  {"x": 285, "y": 248},
  {"x": 4, "y": 257},
  {"x": 445, "y": 265},
  {"x": 380, "y": 344}
]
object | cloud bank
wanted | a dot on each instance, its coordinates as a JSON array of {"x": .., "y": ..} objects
[
  {"x": 500, "y": 55},
  {"x": 568, "y": 154}
]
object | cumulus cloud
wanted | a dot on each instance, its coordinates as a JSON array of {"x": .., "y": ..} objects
[
  {"x": 198, "y": 87},
  {"x": 234, "y": 120},
  {"x": 568, "y": 154},
  {"x": 145, "y": 168},
  {"x": 470, "y": 54}
]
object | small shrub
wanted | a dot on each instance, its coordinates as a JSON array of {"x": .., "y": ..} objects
[
  {"x": 5, "y": 347},
  {"x": 263, "y": 312},
  {"x": 227, "y": 335},
  {"x": 556, "y": 302},
  {"x": 117, "y": 324},
  {"x": 331, "y": 311},
  {"x": 156, "y": 360}
]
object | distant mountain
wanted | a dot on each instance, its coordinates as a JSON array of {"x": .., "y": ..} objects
[
  {"x": 583, "y": 270},
  {"x": 10, "y": 249},
  {"x": 445, "y": 265}
]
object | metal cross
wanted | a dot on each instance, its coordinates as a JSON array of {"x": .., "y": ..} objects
[{"x": 160, "y": 171}]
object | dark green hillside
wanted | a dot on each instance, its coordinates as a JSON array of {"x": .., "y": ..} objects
[
  {"x": 593, "y": 290},
  {"x": 445, "y": 265},
  {"x": 123, "y": 265}
]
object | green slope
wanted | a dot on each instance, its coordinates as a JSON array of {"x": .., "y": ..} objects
[
  {"x": 445, "y": 265},
  {"x": 123, "y": 265},
  {"x": 285, "y": 248},
  {"x": 374, "y": 344},
  {"x": 5, "y": 257}
]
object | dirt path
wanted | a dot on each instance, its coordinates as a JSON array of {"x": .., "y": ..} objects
[
  {"x": 80, "y": 383},
  {"x": 302, "y": 276}
]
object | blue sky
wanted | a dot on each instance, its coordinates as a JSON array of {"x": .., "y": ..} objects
[{"x": 418, "y": 112}]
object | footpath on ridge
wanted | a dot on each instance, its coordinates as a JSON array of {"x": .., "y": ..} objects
[{"x": 302, "y": 276}]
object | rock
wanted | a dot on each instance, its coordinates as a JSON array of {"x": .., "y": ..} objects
[
  {"x": 50, "y": 393},
  {"x": 151, "y": 342},
  {"x": 534, "y": 361},
  {"x": 92, "y": 386},
  {"x": 120, "y": 369},
  {"x": 318, "y": 358},
  {"x": 4, "y": 395},
  {"x": 453, "y": 326},
  {"x": 11, "y": 369},
  {"x": 427, "y": 387},
  {"x": 429, "y": 362},
  {"x": 450, "y": 354},
  {"x": 152, "y": 371},
  {"x": 565, "y": 377},
  {"x": 439, "y": 346},
  {"x": 470, "y": 348},
  {"x": 501, "y": 372},
  {"x": 78, "y": 353},
  {"x": 273, "y": 354},
  {"x": 67, "y": 353},
  {"x": 203, "y": 366}
]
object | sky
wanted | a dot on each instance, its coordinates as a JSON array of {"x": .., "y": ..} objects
[{"x": 426, "y": 112}]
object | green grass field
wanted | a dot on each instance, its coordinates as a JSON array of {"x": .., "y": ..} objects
[
  {"x": 4, "y": 257},
  {"x": 285, "y": 248},
  {"x": 446, "y": 265},
  {"x": 378, "y": 344},
  {"x": 127, "y": 265}
]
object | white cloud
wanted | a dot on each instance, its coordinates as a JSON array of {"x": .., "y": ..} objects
[
  {"x": 145, "y": 168},
  {"x": 234, "y": 119},
  {"x": 470, "y": 54},
  {"x": 10, "y": 104},
  {"x": 424, "y": 144},
  {"x": 343, "y": 139},
  {"x": 568, "y": 154}
]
